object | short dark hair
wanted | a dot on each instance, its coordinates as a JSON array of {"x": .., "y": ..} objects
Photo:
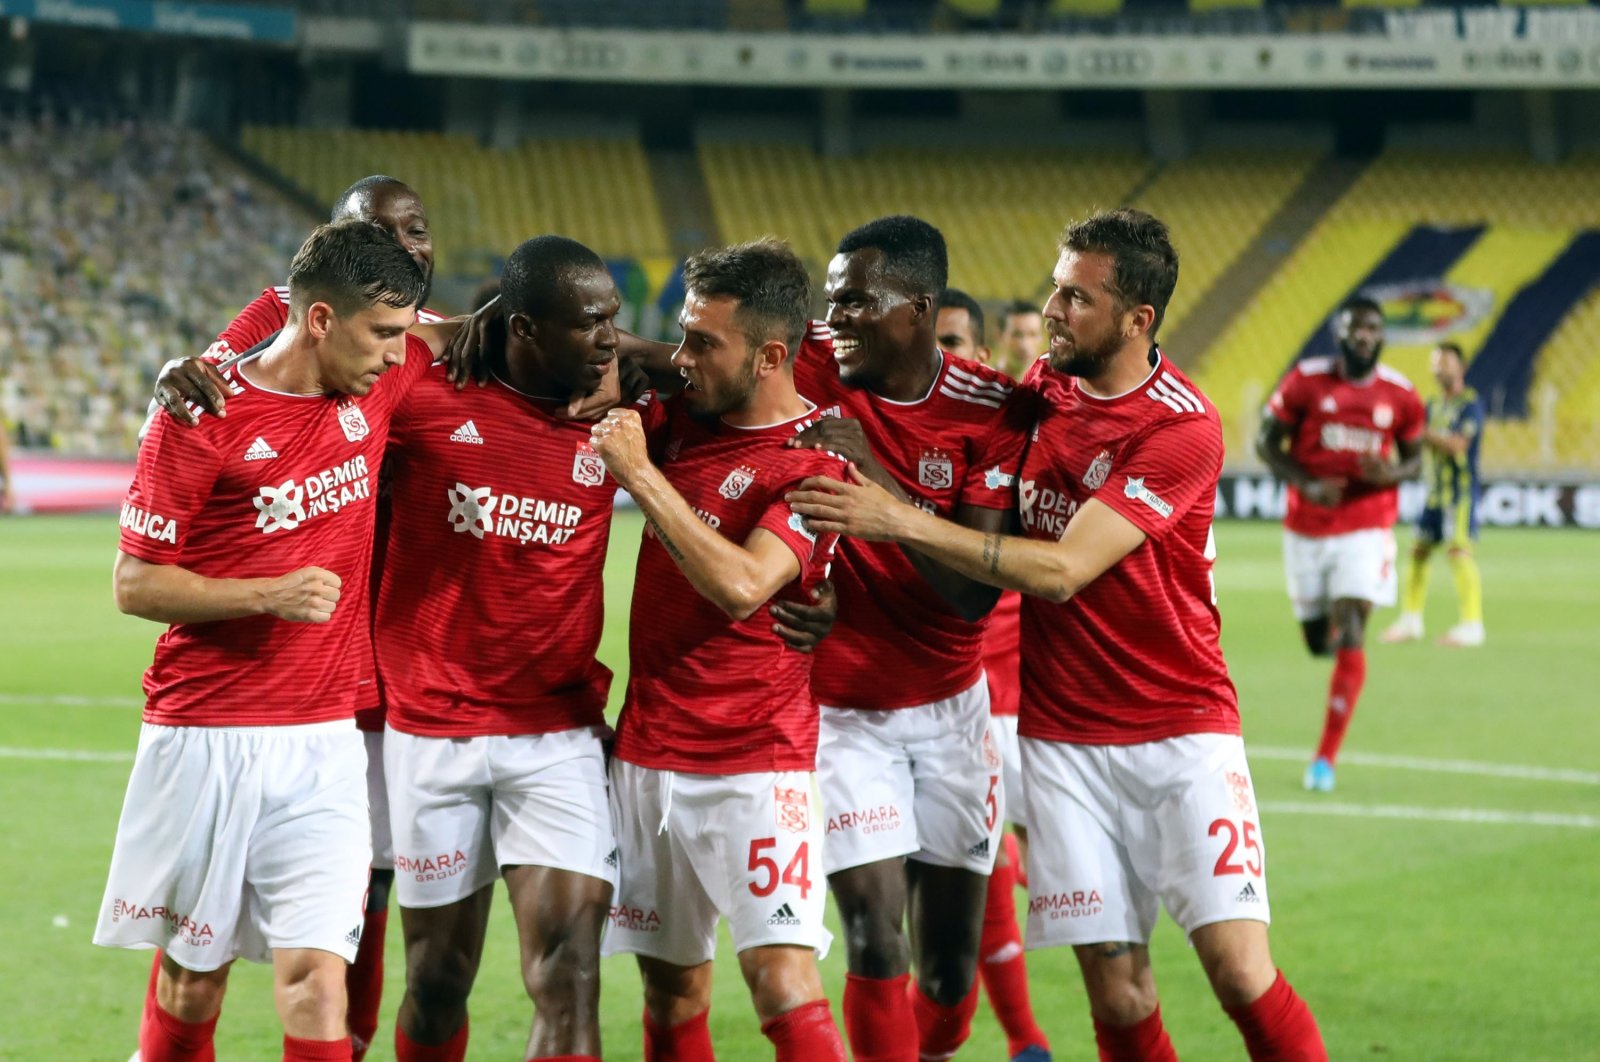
[
  {"x": 914, "y": 251},
  {"x": 1455, "y": 348},
  {"x": 1015, "y": 308},
  {"x": 1144, "y": 263},
  {"x": 538, "y": 271},
  {"x": 767, "y": 279},
  {"x": 353, "y": 265},
  {"x": 364, "y": 189},
  {"x": 1361, "y": 304},
  {"x": 955, "y": 298}
]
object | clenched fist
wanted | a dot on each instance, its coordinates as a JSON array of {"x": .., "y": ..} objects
[{"x": 307, "y": 595}]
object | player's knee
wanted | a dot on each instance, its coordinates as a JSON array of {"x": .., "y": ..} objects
[
  {"x": 313, "y": 996},
  {"x": 947, "y": 981},
  {"x": 194, "y": 997},
  {"x": 1240, "y": 979},
  {"x": 875, "y": 945},
  {"x": 1122, "y": 1002},
  {"x": 441, "y": 981},
  {"x": 565, "y": 977}
]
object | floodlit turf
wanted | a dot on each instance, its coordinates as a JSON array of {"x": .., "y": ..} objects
[{"x": 1412, "y": 939}]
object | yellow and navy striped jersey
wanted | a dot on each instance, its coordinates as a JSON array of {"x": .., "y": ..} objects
[{"x": 1453, "y": 479}]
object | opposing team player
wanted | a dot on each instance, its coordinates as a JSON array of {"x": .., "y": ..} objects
[
  {"x": 395, "y": 207},
  {"x": 1450, "y": 518},
  {"x": 910, "y": 776},
  {"x": 716, "y": 805},
  {"x": 1135, "y": 775},
  {"x": 245, "y": 830},
  {"x": 1330, "y": 431},
  {"x": 1001, "y": 962}
]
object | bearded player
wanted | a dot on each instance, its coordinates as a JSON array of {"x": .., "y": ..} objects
[{"x": 1342, "y": 432}]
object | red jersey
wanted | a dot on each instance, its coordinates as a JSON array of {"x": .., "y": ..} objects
[
  {"x": 283, "y": 482},
  {"x": 1334, "y": 421},
  {"x": 1134, "y": 656},
  {"x": 1002, "y": 648},
  {"x": 897, "y": 643},
  {"x": 264, "y": 315},
  {"x": 492, "y": 600},
  {"x": 709, "y": 694}
]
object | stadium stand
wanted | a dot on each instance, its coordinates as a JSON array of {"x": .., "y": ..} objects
[{"x": 121, "y": 245}]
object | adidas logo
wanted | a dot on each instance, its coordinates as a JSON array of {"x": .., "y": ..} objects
[
  {"x": 1248, "y": 894},
  {"x": 783, "y": 916},
  {"x": 260, "y": 450},
  {"x": 353, "y": 938},
  {"x": 611, "y": 860},
  {"x": 979, "y": 849},
  {"x": 467, "y": 433}
]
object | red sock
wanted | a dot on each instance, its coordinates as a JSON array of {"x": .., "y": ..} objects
[
  {"x": 1344, "y": 689},
  {"x": 878, "y": 1020},
  {"x": 1144, "y": 1042},
  {"x": 807, "y": 1032},
  {"x": 1002, "y": 967},
  {"x": 1279, "y": 1027},
  {"x": 297, "y": 1050},
  {"x": 363, "y": 983},
  {"x": 1014, "y": 856},
  {"x": 165, "y": 1037},
  {"x": 452, "y": 1050},
  {"x": 942, "y": 1030},
  {"x": 687, "y": 1041}
]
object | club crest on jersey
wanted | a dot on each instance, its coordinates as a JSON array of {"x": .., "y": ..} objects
[
  {"x": 1329, "y": 405},
  {"x": 1099, "y": 469},
  {"x": 792, "y": 808},
  {"x": 352, "y": 421},
  {"x": 588, "y": 469},
  {"x": 737, "y": 483},
  {"x": 935, "y": 470},
  {"x": 1243, "y": 794},
  {"x": 1382, "y": 415}
]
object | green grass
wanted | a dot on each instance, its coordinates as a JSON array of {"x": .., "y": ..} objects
[{"x": 1411, "y": 939}]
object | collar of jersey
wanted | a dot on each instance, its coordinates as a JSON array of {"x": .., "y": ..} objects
[
  {"x": 944, "y": 361},
  {"x": 238, "y": 372},
  {"x": 776, "y": 424},
  {"x": 1161, "y": 359}
]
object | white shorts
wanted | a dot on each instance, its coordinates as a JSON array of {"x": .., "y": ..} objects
[
  {"x": 378, "y": 803},
  {"x": 695, "y": 846},
  {"x": 1121, "y": 827},
  {"x": 923, "y": 782},
  {"x": 1004, "y": 729},
  {"x": 1322, "y": 570},
  {"x": 235, "y": 841},
  {"x": 462, "y": 808}
]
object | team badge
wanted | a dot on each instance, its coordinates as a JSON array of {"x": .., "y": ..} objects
[
  {"x": 1382, "y": 415},
  {"x": 737, "y": 483},
  {"x": 792, "y": 809},
  {"x": 1099, "y": 469},
  {"x": 1329, "y": 405},
  {"x": 991, "y": 754},
  {"x": 588, "y": 469},
  {"x": 1242, "y": 797},
  {"x": 935, "y": 470},
  {"x": 353, "y": 423}
]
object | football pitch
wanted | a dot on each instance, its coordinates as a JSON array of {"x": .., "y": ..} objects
[{"x": 1439, "y": 906}]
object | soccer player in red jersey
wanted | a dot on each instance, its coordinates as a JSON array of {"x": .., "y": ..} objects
[
  {"x": 910, "y": 774},
  {"x": 1342, "y": 432},
  {"x": 1135, "y": 775},
  {"x": 486, "y": 628},
  {"x": 1001, "y": 962},
  {"x": 712, "y": 774},
  {"x": 245, "y": 831},
  {"x": 395, "y": 207}
]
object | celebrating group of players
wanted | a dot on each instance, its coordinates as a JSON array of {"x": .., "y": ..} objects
[{"x": 761, "y": 759}]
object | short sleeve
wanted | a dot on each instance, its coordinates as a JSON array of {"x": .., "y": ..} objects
[
  {"x": 1469, "y": 422},
  {"x": 176, "y": 472},
  {"x": 265, "y": 315},
  {"x": 811, "y": 549},
  {"x": 1288, "y": 402},
  {"x": 992, "y": 472},
  {"x": 1163, "y": 473}
]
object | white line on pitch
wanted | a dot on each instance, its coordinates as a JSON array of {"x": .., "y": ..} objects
[
  {"x": 70, "y": 700},
  {"x": 72, "y": 755},
  {"x": 1467, "y": 815},
  {"x": 1419, "y": 763}
]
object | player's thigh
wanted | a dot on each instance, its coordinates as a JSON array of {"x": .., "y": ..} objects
[
  {"x": 378, "y": 802},
  {"x": 864, "y": 773},
  {"x": 311, "y": 855},
  {"x": 1201, "y": 846},
  {"x": 1306, "y": 570},
  {"x": 956, "y": 769},
  {"x": 1363, "y": 567},
  {"x": 771, "y": 889},
  {"x": 560, "y": 915},
  {"x": 177, "y": 878},
  {"x": 662, "y": 909},
  {"x": 439, "y": 798},
  {"x": 1004, "y": 729},
  {"x": 550, "y": 804},
  {"x": 1082, "y": 887}
]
